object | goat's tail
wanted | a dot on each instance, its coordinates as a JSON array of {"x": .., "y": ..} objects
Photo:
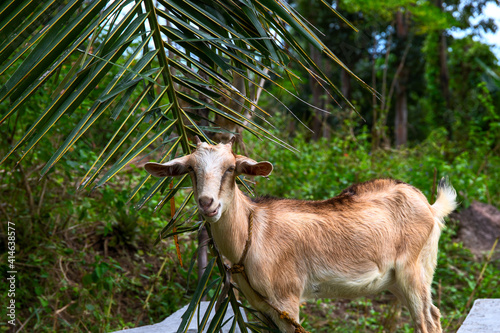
[
  {"x": 444, "y": 205},
  {"x": 446, "y": 200}
]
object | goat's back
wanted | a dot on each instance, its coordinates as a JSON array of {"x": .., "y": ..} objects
[{"x": 369, "y": 227}]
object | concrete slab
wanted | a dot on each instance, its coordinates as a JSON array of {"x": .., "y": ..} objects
[
  {"x": 484, "y": 317},
  {"x": 171, "y": 324}
]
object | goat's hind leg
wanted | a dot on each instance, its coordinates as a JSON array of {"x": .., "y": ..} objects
[
  {"x": 428, "y": 259},
  {"x": 414, "y": 291},
  {"x": 435, "y": 316}
]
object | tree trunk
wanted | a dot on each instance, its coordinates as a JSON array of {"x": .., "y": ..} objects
[
  {"x": 202, "y": 252},
  {"x": 375, "y": 106},
  {"x": 444, "y": 76},
  {"x": 318, "y": 117},
  {"x": 401, "y": 121},
  {"x": 401, "y": 118},
  {"x": 346, "y": 84}
]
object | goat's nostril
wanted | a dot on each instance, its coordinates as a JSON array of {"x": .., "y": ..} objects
[{"x": 206, "y": 202}]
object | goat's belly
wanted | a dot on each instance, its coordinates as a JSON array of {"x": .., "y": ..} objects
[{"x": 349, "y": 287}]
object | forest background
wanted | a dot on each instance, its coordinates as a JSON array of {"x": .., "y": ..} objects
[{"x": 86, "y": 259}]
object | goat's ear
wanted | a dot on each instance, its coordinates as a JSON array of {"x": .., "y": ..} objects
[
  {"x": 173, "y": 168},
  {"x": 252, "y": 168}
]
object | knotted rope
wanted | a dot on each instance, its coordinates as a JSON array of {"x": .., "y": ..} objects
[
  {"x": 239, "y": 267},
  {"x": 298, "y": 328}
]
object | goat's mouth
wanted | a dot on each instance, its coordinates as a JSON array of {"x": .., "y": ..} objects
[{"x": 213, "y": 213}]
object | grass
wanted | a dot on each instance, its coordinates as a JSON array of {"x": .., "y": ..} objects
[
  {"x": 86, "y": 261},
  {"x": 321, "y": 170}
]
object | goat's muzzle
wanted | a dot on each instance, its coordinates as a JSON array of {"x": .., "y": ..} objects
[{"x": 206, "y": 206}]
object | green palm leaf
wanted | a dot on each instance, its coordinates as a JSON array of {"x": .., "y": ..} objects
[{"x": 150, "y": 67}]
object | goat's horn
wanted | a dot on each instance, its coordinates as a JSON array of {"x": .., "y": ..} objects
[
  {"x": 197, "y": 139},
  {"x": 232, "y": 140}
]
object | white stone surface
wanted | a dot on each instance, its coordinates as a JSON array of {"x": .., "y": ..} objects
[
  {"x": 171, "y": 324},
  {"x": 484, "y": 317}
]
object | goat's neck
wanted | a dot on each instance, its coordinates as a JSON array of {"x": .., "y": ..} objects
[{"x": 230, "y": 233}]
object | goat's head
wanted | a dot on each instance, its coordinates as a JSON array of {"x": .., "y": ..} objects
[{"x": 213, "y": 171}]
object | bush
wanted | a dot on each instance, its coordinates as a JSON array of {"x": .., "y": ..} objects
[{"x": 323, "y": 169}]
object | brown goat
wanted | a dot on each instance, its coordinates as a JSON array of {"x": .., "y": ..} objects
[{"x": 375, "y": 236}]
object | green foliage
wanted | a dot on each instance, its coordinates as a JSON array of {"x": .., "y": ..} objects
[
  {"x": 86, "y": 262},
  {"x": 456, "y": 277},
  {"x": 197, "y": 56},
  {"x": 426, "y": 15},
  {"x": 93, "y": 253},
  {"x": 85, "y": 258},
  {"x": 323, "y": 169},
  {"x": 68, "y": 65}
]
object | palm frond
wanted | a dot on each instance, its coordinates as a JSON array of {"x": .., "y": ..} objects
[{"x": 150, "y": 67}]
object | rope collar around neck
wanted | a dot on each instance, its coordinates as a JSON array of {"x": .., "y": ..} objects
[{"x": 239, "y": 267}]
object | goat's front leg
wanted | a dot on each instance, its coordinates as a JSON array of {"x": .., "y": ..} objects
[
  {"x": 274, "y": 306},
  {"x": 287, "y": 307}
]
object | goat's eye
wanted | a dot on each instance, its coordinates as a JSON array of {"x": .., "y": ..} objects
[{"x": 230, "y": 169}]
